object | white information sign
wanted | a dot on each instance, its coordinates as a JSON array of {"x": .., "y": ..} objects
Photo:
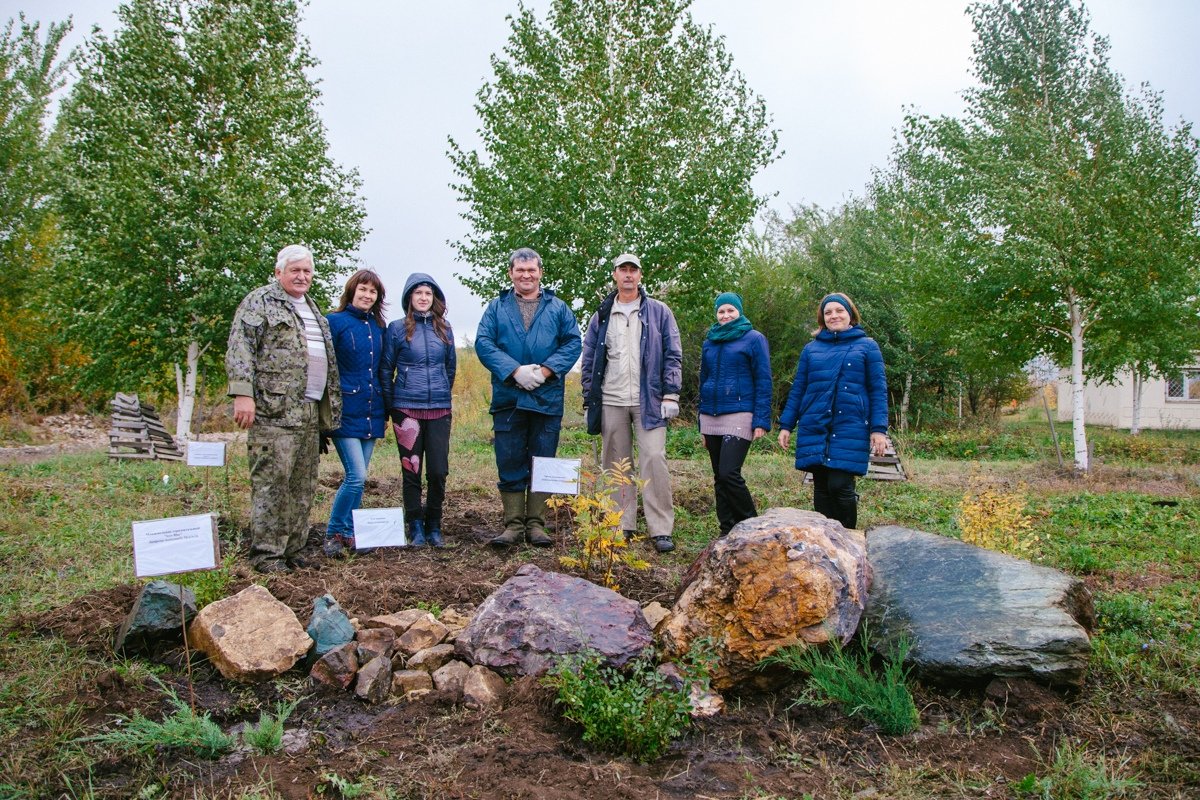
[
  {"x": 379, "y": 527},
  {"x": 206, "y": 454},
  {"x": 556, "y": 475},
  {"x": 175, "y": 544}
]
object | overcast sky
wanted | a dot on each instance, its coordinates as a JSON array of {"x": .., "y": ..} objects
[{"x": 398, "y": 76}]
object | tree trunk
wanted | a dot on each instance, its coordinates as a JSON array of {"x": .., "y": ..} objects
[
  {"x": 185, "y": 387},
  {"x": 1135, "y": 424},
  {"x": 1078, "y": 432}
]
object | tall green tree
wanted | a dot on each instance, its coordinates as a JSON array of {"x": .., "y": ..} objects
[
  {"x": 191, "y": 152},
  {"x": 30, "y": 71},
  {"x": 1046, "y": 193},
  {"x": 615, "y": 125}
]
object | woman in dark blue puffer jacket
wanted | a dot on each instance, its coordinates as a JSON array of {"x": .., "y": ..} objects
[
  {"x": 839, "y": 403},
  {"x": 419, "y": 362},
  {"x": 357, "y": 331},
  {"x": 735, "y": 404}
]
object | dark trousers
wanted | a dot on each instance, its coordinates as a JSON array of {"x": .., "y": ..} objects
[
  {"x": 734, "y": 503},
  {"x": 423, "y": 443},
  {"x": 834, "y": 495},
  {"x": 519, "y": 436}
]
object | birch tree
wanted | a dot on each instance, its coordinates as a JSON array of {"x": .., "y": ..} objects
[
  {"x": 191, "y": 151},
  {"x": 1051, "y": 186}
]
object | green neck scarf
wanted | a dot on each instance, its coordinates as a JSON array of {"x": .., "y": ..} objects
[{"x": 734, "y": 329}]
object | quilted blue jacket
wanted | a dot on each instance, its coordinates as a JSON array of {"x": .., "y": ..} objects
[
  {"x": 838, "y": 399},
  {"x": 736, "y": 376},
  {"x": 417, "y": 374},
  {"x": 503, "y": 344},
  {"x": 358, "y": 344}
]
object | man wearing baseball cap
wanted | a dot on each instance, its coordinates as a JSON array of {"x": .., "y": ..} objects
[{"x": 631, "y": 378}]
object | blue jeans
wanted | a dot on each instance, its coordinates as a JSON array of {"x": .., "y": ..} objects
[
  {"x": 355, "y": 455},
  {"x": 521, "y": 435}
]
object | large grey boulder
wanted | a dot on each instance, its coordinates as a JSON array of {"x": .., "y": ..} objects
[
  {"x": 786, "y": 578},
  {"x": 535, "y": 617},
  {"x": 156, "y": 614},
  {"x": 973, "y": 614}
]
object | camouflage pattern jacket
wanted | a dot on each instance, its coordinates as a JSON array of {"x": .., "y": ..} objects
[{"x": 267, "y": 359}]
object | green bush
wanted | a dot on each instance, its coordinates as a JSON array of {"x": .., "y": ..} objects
[
  {"x": 267, "y": 736},
  {"x": 844, "y": 676},
  {"x": 636, "y": 712}
]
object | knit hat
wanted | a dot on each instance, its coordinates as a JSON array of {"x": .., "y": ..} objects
[
  {"x": 840, "y": 300},
  {"x": 732, "y": 298}
]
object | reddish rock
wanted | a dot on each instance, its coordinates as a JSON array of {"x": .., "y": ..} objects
[
  {"x": 536, "y": 617},
  {"x": 374, "y": 642},
  {"x": 411, "y": 680},
  {"x": 336, "y": 669},
  {"x": 423, "y": 633},
  {"x": 374, "y": 682}
]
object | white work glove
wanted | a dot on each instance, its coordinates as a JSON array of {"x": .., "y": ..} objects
[
  {"x": 529, "y": 377},
  {"x": 670, "y": 409}
]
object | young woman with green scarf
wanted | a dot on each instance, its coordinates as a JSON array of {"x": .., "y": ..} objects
[{"x": 735, "y": 404}]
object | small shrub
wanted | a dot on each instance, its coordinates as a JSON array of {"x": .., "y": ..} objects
[
  {"x": 598, "y": 526},
  {"x": 1076, "y": 775},
  {"x": 636, "y": 713},
  {"x": 996, "y": 519},
  {"x": 267, "y": 736},
  {"x": 431, "y": 607},
  {"x": 844, "y": 676},
  {"x": 210, "y": 585},
  {"x": 182, "y": 730}
]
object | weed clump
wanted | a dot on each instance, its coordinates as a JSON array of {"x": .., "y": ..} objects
[
  {"x": 181, "y": 730},
  {"x": 996, "y": 519},
  {"x": 844, "y": 676},
  {"x": 266, "y": 737}
]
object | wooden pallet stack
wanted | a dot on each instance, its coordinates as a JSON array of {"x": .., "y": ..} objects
[
  {"x": 137, "y": 432},
  {"x": 886, "y": 467}
]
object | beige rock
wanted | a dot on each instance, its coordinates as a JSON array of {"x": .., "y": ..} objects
[
  {"x": 423, "y": 633},
  {"x": 399, "y": 622},
  {"x": 416, "y": 694},
  {"x": 410, "y": 680},
  {"x": 336, "y": 669},
  {"x": 431, "y": 658},
  {"x": 250, "y": 636},
  {"x": 483, "y": 688},
  {"x": 374, "y": 642},
  {"x": 451, "y": 677},
  {"x": 455, "y": 620},
  {"x": 374, "y": 682},
  {"x": 787, "y": 577},
  {"x": 654, "y": 613}
]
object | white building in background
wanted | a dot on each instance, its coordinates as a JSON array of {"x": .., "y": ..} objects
[{"x": 1166, "y": 403}]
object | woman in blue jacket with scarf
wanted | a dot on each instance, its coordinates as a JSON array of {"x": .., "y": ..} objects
[
  {"x": 839, "y": 403},
  {"x": 735, "y": 404},
  {"x": 417, "y": 374},
  {"x": 356, "y": 328}
]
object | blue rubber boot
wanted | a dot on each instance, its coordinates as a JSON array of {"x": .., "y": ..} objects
[
  {"x": 416, "y": 533},
  {"x": 434, "y": 536}
]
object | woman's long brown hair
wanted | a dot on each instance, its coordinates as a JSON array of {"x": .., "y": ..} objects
[{"x": 440, "y": 326}]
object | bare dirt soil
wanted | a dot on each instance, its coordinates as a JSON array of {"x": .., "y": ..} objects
[{"x": 761, "y": 747}]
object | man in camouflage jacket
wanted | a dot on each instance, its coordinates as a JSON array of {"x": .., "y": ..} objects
[{"x": 279, "y": 349}]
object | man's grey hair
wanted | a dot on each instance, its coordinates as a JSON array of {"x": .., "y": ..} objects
[
  {"x": 524, "y": 254},
  {"x": 293, "y": 252}
]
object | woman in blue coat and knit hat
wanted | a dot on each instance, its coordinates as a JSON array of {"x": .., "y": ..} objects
[
  {"x": 417, "y": 374},
  {"x": 357, "y": 332},
  {"x": 839, "y": 405},
  {"x": 735, "y": 404}
]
